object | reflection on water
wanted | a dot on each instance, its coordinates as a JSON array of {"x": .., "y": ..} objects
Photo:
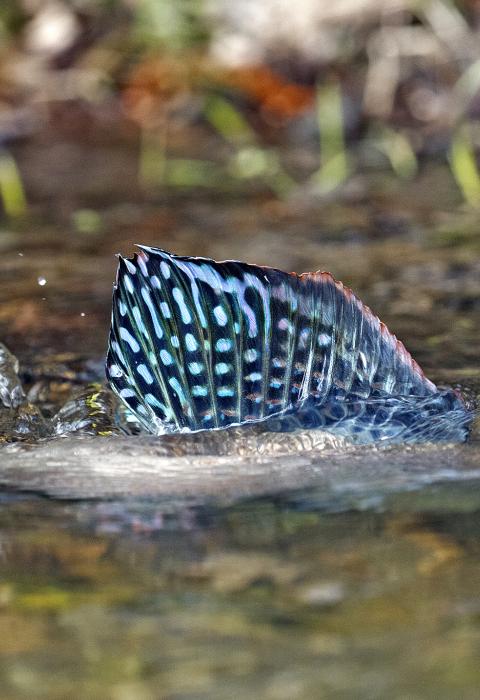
[{"x": 272, "y": 598}]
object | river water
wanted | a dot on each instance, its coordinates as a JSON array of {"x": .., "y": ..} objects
[{"x": 279, "y": 569}]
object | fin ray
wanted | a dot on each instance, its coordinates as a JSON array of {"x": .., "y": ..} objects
[{"x": 220, "y": 343}]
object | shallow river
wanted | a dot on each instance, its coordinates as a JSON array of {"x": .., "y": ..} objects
[{"x": 132, "y": 570}]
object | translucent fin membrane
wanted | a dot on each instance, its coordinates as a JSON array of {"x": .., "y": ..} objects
[
  {"x": 383, "y": 418},
  {"x": 197, "y": 344}
]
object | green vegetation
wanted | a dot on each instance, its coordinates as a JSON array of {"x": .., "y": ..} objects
[
  {"x": 389, "y": 88},
  {"x": 334, "y": 167},
  {"x": 464, "y": 165},
  {"x": 11, "y": 187}
]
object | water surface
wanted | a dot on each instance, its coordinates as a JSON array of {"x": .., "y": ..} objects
[{"x": 134, "y": 570}]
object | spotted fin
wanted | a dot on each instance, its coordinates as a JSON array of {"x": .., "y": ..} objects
[{"x": 198, "y": 344}]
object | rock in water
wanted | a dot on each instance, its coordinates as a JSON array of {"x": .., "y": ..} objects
[{"x": 197, "y": 345}]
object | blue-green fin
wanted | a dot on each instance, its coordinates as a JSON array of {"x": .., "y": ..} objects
[{"x": 198, "y": 344}]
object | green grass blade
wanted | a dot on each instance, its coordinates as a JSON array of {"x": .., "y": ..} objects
[
  {"x": 11, "y": 187},
  {"x": 399, "y": 152},
  {"x": 464, "y": 165},
  {"x": 228, "y": 121},
  {"x": 334, "y": 167}
]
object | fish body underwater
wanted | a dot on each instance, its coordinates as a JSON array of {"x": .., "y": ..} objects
[{"x": 202, "y": 345}]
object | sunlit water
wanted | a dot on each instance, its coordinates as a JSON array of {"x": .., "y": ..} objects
[
  {"x": 303, "y": 595},
  {"x": 254, "y": 566}
]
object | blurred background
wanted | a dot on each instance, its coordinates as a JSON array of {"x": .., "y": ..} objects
[
  {"x": 104, "y": 101},
  {"x": 336, "y": 135}
]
